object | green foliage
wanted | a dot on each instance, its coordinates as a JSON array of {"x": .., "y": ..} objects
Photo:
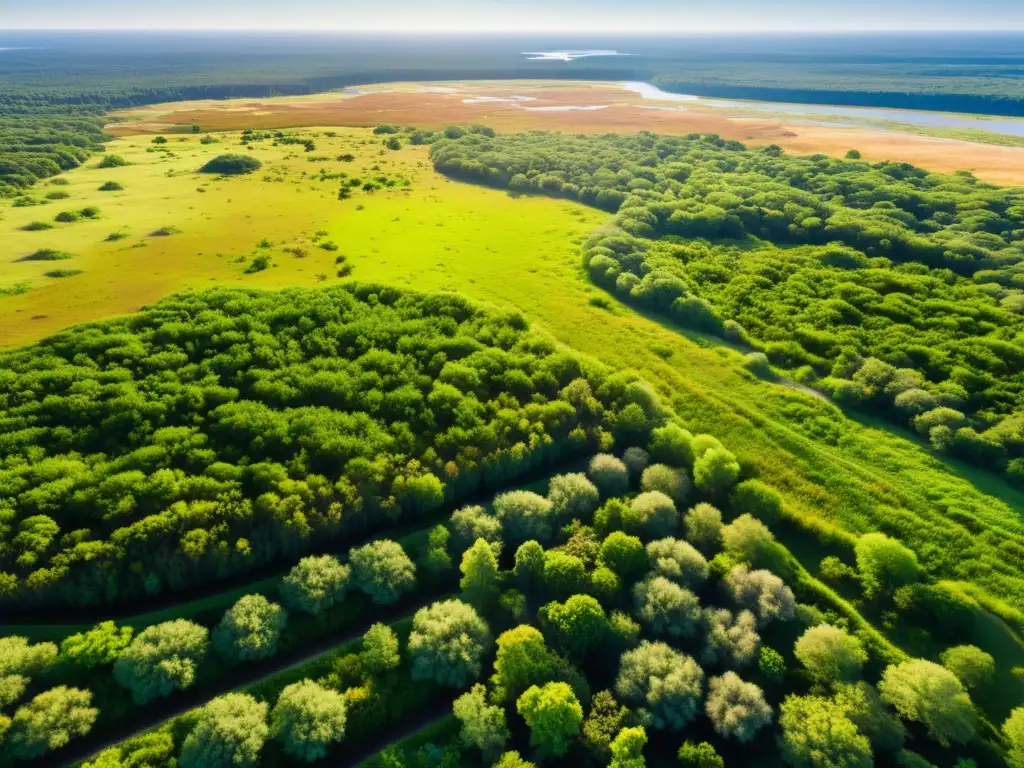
[
  {"x": 664, "y": 682},
  {"x": 49, "y": 721},
  {"x": 762, "y": 593},
  {"x": 250, "y": 629},
  {"x": 308, "y": 718},
  {"x": 672, "y": 445},
  {"x": 564, "y": 574},
  {"x": 315, "y": 584},
  {"x": 736, "y": 708},
  {"x": 99, "y": 646},
  {"x": 230, "y": 731},
  {"x": 579, "y": 624},
  {"x": 873, "y": 718},
  {"x": 830, "y": 655},
  {"x": 479, "y": 582},
  {"x": 162, "y": 659},
  {"x": 716, "y": 472},
  {"x": 383, "y": 571},
  {"x": 436, "y": 558},
  {"x": 704, "y": 528},
  {"x": 513, "y": 760},
  {"x": 666, "y": 609},
  {"x": 529, "y": 565},
  {"x": 1013, "y": 732},
  {"x": 678, "y": 561},
  {"x": 627, "y": 749},
  {"x": 699, "y": 755},
  {"x": 933, "y": 696},
  {"x": 672, "y": 482},
  {"x": 609, "y": 474},
  {"x": 483, "y": 724},
  {"x": 471, "y": 523},
  {"x": 885, "y": 564},
  {"x": 771, "y": 664},
  {"x": 730, "y": 639},
  {"x": 111, "y": 186},
  {"x": 749, "y": 540},
  {"x": 816, "y": 733},
  {"x": 625, "y": 555},
  {"x": 525, "y": 516},
  {"x": 972, "y": 666},
  {"x": 112, "y": 161},
  {"x": 232, "y": 165},
  {"x": 605, "y": 719},
  {"x": 573, "y": 496},
  {"x": 651, "y": 515},
  {"x": 553, "y": 714},
  {"x": 380, "y": 652},
  {"x": 448, "y": 643}
]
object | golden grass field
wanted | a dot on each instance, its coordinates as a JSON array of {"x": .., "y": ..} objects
[{"x": 421, "y": 105}]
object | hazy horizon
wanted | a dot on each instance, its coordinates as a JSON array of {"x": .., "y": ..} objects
[{"x": 518, "y": 16}]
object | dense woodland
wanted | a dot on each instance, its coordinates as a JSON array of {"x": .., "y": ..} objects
[
  {"x": 218, "y": 432},
  {"x": 639, "y": 611},
  {"x": 886, "y": 286}
]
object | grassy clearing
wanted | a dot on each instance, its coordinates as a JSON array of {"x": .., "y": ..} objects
[{"x": 839, "y": 474}]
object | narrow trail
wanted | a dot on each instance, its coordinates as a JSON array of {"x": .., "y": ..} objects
[{"x": 183, "y": 701}]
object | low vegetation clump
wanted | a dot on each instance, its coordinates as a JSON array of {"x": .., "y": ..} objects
[
  {"x": 62, "y": 272},
  {"x": 37, "y": 226},
  {"x": 111, "y": 186},
  {"x": 47, "y": 254},
  {"x": 232, "y": 165},
  {"x": 112, "y": 161}
]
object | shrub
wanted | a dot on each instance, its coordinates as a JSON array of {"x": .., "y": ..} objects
[
  {"x": 250, "y": 629},
  {"x": 609, "y": 474},
  {"x": 232, "y": 165},
  {"x": 112, "y": 161},
  {"x": 771, "y": 664},
  {"x": 737, "y": 709},
  {"x": 229, "y": 733},
  {"x": 758, "y": 499},
  {"x": 161, "y": 659},
  {"x": 308, "y": 718},
  {"x": 830, "y": 655},
  {"x": 972, "y": 666},
  {"x": 678, "y": 561},
  {"x": 447, "y": 644},
  {"x": 759, "y": 365},
  {"x": 111, "y": 186},
  {"x": 674, "y": 483},
  {"x": 716, "y": 471},
  {"x": 383, "y": 571},
  {"x": 479, "y": 568},
  {"x": 933, "y": 696},
  {"x": 380, "y": 650},
  {"x": 315, "y": 584},
  {"x": 663, "y": 681},
  {"x": 67, "y": 217},
  {"x": 636, "y": 460},
  {"x": 749, "y": 539},
  {"x": 884, "y": 564},
  {"x": 47, "y": 254},
  {"x": 704, "y": 528},
  {"x": 36, "y": 226},
  {"x": 651, "y": 515}
]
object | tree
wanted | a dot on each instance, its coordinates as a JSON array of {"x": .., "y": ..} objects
[
  {"x": 771, "y": 664},
  {"x": 972, "y": 666},
  {"x": 579, "y": 624},
  {"x": 636, "y": 461},
  {"x": 308, "y": 718},
  {"x": 315, "y": 584},
  {"x": 666, "y": 608},
  {"x": 231, "y": 165},
  {"x": 716, "y": 471},
  {"x": 522, "y": 660},
  {"x": 471, "y": 523},
  {"x": 609, "y": 474},
  {"x": 885, "y": 564},
  {"x": 553, "y": 714},
  {"x": 730, "y": 639},
  {"x": 250, "y": 629},
  {"x": 380, "y": 650},
  {"x": 700, "y": 755},
  {"x": 20, "y": 661},
  {"x": 447, "y": 643},
  {"x": 230, "y": 731},
  {"x": 663, "y": 681},
  {"x": 483, "y": 725},
  {"x": 605, "y": 719},
  {"x": 651, "y": 515},
  {"x": 529, "y": 565},
  {"x": 672, "y": 445},
  {"x": 525, "y": 515},
  {"x": 762, "y": 593},
  {"x": 383, "y": 571},
  {"x": 1013, "y": 732},
  {"x": 830, "y": 655},
  {"x": 737, "y": 709},
  {"x": 749, "y": 539},
  {"x": 678, "y": 561},
  {"x": 704, "y": 528},
  {"x": 933, "y": 696},
  {"x": 479, "y": 568},
  {"x": 435, "y": 559},
  {"x": 573, "y": 497},
  {"x": 49, "y": 721},
  {"x": 624, "y": 554},
  {"x": 816, "y": 733},
  {"x": 162, "y": 659},
  {"x": 564, "y": 574},
  {"x": 673, "y": 482},
  {"x": 513, "y": 760},
  {"x": 99, "y": 646},
  {"x": 627, "y": 749},
  {"x": 757, "y": 498}
]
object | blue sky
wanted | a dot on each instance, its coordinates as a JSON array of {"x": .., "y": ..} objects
[{"x": 515, "y": 15}]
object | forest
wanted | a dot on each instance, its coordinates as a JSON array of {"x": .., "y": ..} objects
[{"x": 890, "y": 288}]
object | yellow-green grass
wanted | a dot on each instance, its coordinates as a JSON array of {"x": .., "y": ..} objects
[{"x": 839, "y": 475}]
